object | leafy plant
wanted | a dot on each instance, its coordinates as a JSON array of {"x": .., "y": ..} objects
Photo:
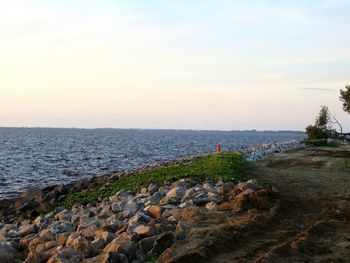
[{"x": 229, "y": 167}]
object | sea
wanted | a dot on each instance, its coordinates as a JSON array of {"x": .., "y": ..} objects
[{"x": 39, "y": 157}]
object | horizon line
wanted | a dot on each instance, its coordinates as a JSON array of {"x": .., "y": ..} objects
[{"x": 123, "y": 128}]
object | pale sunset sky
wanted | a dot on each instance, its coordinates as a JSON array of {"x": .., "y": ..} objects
[{"x": 183, "y": 64}]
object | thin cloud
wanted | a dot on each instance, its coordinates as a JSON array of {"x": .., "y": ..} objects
[{"x": 318, "y": 89}]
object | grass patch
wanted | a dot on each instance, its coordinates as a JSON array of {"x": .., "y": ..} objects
[
  {"x": 228, "y": 166},
  {"x": 321, "y": 143},
  {"x": 344, "y": 166}
]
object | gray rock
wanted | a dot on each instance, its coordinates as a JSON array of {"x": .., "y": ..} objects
[
  {"x": 147, "y": 244},
  {"x": 67, "y": 255},
  {"x": 8, "y": 254},
  {"x": 117, "y": 207},
  {"x": 163, "y": 241},
  {"x": 64, "y": 227}
]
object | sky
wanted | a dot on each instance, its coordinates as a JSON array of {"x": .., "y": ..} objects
[{"x": 179, "y": 64}]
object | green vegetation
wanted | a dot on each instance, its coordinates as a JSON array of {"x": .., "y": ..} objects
[
  {"x": 321, "y": 129},
  {"x": 345, "y": 166},
  {"x": 345, "y": 98},
  {"x": 227, "y": 166},
  {"x": 321, "y": 143},
  {"x": 151, "y": 258}
]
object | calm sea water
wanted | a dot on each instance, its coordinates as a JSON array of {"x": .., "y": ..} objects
[{"x": 39, "y": 157}]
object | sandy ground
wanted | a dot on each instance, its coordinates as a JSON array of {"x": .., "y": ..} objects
[{"x": 313, "y": 223}]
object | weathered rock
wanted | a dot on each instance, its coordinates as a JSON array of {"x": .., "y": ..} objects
[
  {"x": 212, "y": 206},
  {"x": 98, "y": 244},
  {"x": 152, "y": 188},
  {"x": 227, "y": 187},
  {"x": 67, "y": 255},
  {"x": 183, "y": 226},
  {"x": 8, "y": 254},
  {"x": 106, "y": 236},
  {"x": 144, "y": 230},
  {"x": 61, "y": 238},
  {"x": 45, "y": 246},
  {"x": 109, "y": 257},
  {"x": 147, "y": 244},
  {"x": 155, "y": 198},
  {"x": 176, "y": 192},
  {"x": 83, "y": 245},
  {"x": 162, "y": 242},
  {"x": 64, "y": 227},
  {"x": 154, "y": 210},
  {"x": 39, "y": 221},
  {"x": 116, "y": 207},
  {"x": 28, "y": 229},
  {"x": 125, "y": 247},
  {"x": 64, "y": 215}
]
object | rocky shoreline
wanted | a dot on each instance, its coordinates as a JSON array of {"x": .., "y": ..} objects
[{"x": 131, "y": 226}]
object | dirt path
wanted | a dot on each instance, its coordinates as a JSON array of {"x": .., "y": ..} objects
[{"x": 313, "y": 224}]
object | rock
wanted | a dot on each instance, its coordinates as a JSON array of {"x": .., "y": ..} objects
[
  {"x": 110, "y": 257},
  {"x": 12, "y": 234},
  {"x": 209, "y": 187},
  {"x": 98, "y": 244},
  {"x": 162, "y": 242},
  {"x": 64, "y": 227},
  {"x": 154, "y": 210},
  {"x": 64, "y": 215},
  {"x": 88, "y": 230},
  {"x": 8, "y": 254},
  {"x": 113, "y": 226},
  {"x": 211, "y": 206},
  {"x": 116, "y": 207},
  {"x": 227, "y": 187},
  {"x": 188, "y": 194},
  {"x": 42, "y": 247},
  {"x": 147, "y": 244},
  {"x": 28, "y": 230},
  {"x": 83, "y": 245},
  {"x": 143, "y": 230},
  {"x": 61, "y": 238},
  {"x": 143, "y": 190},
  {"x": 125, "y": 247},
  {"x": 248, "y": 191},
  {"x": 140, "y": 218},
  {"x": 106, "y": 236},
  {"x": 155, "y": 198},
  {"x": 39, "y": 221},
  {"x": 32, "y": 193},
  {"x": 67, "y": 255},
  {"x": 152, "y": 188},
  {"x": 183, "y": 226},
  {"x": 250, "y": 184},
  {"x": 172, "y": 219},
  {"x": 176, "y": 192},
  {"x": 186, "y": 204},
  {"x": 24, "y": 242}
]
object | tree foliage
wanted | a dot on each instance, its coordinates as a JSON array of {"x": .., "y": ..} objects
[
  {"x": 345, "y": 98},
  {"x": 322, "y": 120},
  {"x": 321, "y": 129}
]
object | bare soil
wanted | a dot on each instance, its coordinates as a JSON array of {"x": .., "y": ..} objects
[{"x": 313, "y": 222}]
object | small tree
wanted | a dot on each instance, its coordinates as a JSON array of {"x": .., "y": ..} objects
[
  {"x": 322, "y": 120},
  {"x": 322, "y": 128},
  {"x": 345, "y": 98}
]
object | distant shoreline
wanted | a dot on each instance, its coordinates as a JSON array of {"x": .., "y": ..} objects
[{"x": 147, "y": 129}]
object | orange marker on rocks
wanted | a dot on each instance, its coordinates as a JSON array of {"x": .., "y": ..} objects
[{"x": 218, "y": 148}]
